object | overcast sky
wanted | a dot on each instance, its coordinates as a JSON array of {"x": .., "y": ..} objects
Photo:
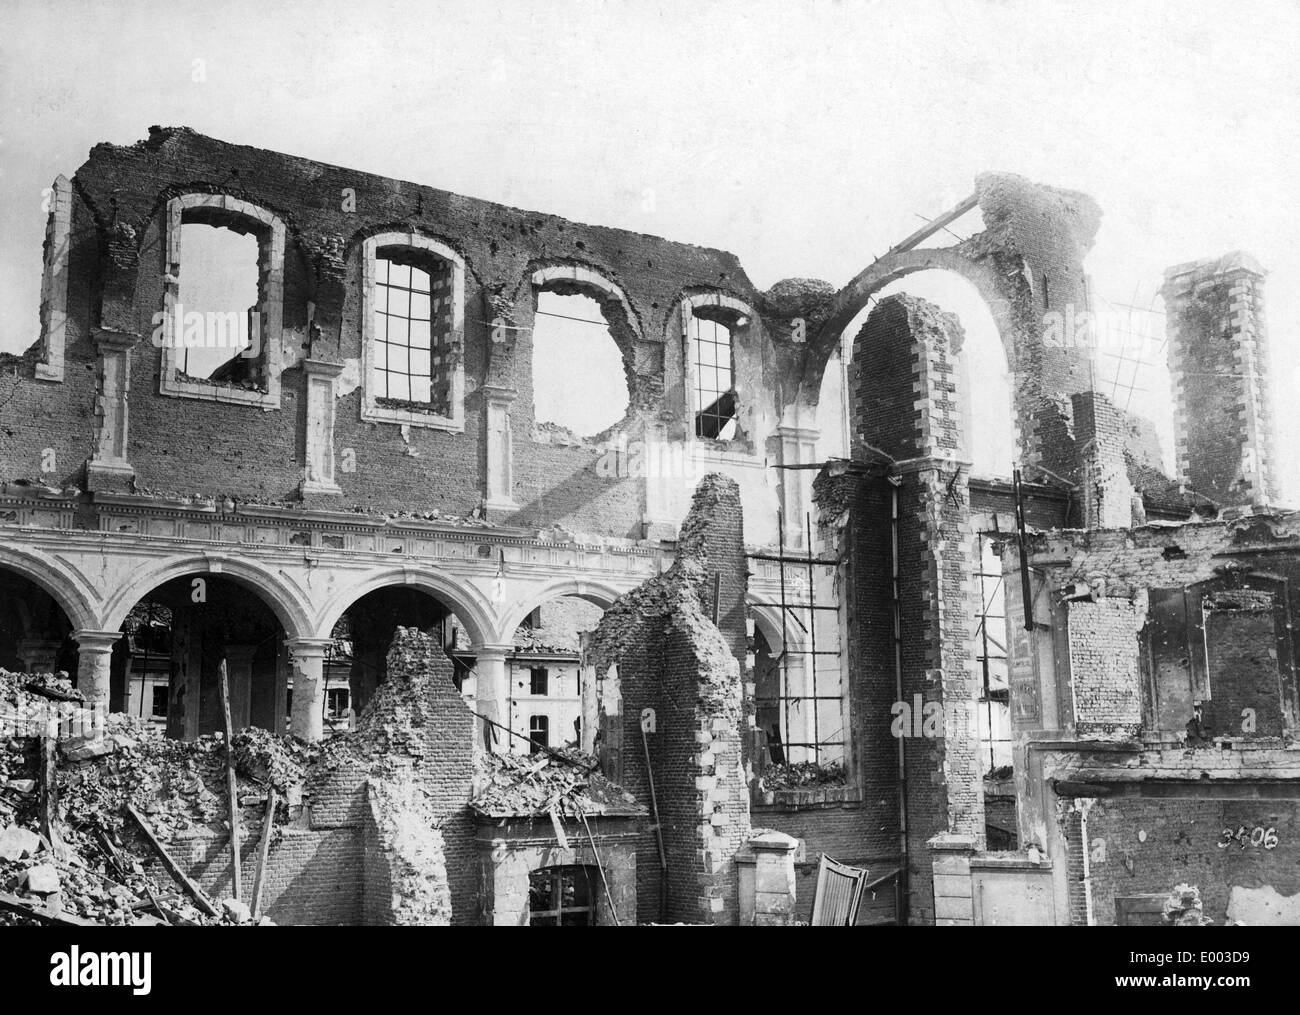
[{"x": 804, "y": 136}]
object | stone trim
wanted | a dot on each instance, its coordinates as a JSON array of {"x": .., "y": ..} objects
[{"x": 270, "y": 232}]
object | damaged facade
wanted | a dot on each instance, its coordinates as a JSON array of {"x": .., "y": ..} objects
[{"x": 754, "y": 657}]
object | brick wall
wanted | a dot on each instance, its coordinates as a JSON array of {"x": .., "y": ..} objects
[
  {"x": 1139, "y": 845},
  {"x": 1104, "y": 660},
  {"x": 328, "y": 211},
  {"x": 671, "y": 657}
]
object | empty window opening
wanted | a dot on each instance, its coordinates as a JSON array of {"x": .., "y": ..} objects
[
  {"x": 563, "y": 896},
  {"x": 412, "y": 357},
  {"x": 798, "y": 699},
  {"x": 579, "y": 380},
  {"x": 538, "y": 680},
  {"x": 715, "y": 377},
  {"x": 217, "y": 317},
  {"x": 158, "y": 709},
  {"x": 991, "y": 663},
  {"x": 985, "y": 384},
  {"x": 539, "y": 732}
]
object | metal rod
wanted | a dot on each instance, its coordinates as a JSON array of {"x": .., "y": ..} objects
[
  {"x": 659, "y": 830},
  {"x": 599, "y": 866},
  {"x": 1024, "y": 553},
  {"x": 785, "y": 655},
  {"x": 812, "y": 633}
]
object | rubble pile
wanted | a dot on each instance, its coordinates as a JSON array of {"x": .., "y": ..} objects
[
  {"x": 529, "y": 785},
  {"x": 94, "y": 867}
]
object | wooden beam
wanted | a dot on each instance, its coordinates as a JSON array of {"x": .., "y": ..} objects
[
  {"x": 191, "y": 889},
  {"x": 232, "y": 786},
  {"x": 934, "y": 225},
  {"x": 15, "y": 904},
  {"x": 268, "y": 830}
]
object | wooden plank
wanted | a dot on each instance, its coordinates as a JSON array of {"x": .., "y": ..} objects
[
  {"x": 934, "y": 225},
  {"x": 232, "y": 788},
  {"x": 49, "y": 805},
  {"x": 268, "y": 830},
  {"x": 14, "y": 904},
  {"x": 194, "y": 891},
  {"x": 115, "y": 860}
]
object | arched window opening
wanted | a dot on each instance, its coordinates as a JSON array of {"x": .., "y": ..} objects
[
  {"x": 412, "y": 321},
  {"x": 579, "y": 379},
  {"x": 989, "y": 385},
  {"x": 713, "y": 344},
  {"x": 217, "y": 303}
]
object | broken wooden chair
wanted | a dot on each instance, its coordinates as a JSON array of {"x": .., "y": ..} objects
[{"x": 839, "y": 894}]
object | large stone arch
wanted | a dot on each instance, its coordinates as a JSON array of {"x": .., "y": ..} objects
[
  {"x": 599, "y": 593},
  {"x": 469, "y": 606},
  {"x": 1008, "y": 298},
  {"x": 283, "y": 598},
  {"x": 64, "y": 585},
  {"x": 767, "y": 619}
]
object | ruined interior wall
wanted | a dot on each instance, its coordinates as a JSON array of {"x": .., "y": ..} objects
[
  {"x": 328, "y": 211},
  {"x": 417, "y": 729},
  {"x": 405, "y": 866},
  {"x": 1117, "y": 569},
  {"x": 673, "y": 659},
  {"x": 38, "y": 417}
]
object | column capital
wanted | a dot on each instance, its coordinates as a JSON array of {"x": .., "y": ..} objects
[
  {"x": 112, "y": 340},
  {"x": 804, "y": 433},
  {"x": 492, "y": 651},
  {"x": 306, "y": 648},
  {"x": 96, "y": 641},
  {"x": 322, "y": 367},
  {"x": 499, "y": 393}
]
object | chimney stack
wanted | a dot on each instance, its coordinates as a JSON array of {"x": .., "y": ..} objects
[{"x": 1218, "y": 360}]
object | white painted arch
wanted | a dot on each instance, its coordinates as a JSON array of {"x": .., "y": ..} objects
[
  {"x": 470, "y": 607},
  {"x": 282, "y": 596}
]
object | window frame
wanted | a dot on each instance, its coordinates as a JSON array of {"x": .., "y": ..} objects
[
  {"x": 270, "y": 232},
  {"x": 555, "y": 916},
  {"x": 371, "y": 409},
  {"x": 722, "y": 306}
]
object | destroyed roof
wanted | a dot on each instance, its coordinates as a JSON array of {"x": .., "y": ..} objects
[{"x": 529, "y": 785}]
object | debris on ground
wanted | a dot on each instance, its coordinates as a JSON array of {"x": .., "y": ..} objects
[{"x": 95, "y": 868}]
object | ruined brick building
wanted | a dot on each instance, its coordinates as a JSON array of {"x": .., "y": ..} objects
[{"x": 371, "y": 454}]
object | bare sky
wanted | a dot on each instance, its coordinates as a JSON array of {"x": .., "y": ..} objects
[{"x": 804, "y": 136}]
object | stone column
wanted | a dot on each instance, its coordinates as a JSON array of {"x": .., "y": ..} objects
[
  {"x": 798, "y": 446},
  {"x": 500, "y": 448},
  {"x": 109, "y": 466},
  {"x": 307, "y": 656},
  {"x": 94, "y": 659},
  {"x": 666, "y": 468},
  {"x": 950, "y": 856},
  {"x": 239, "y": 672},
  {"x": 774, "y": 894},
  {"x": 319, "y": 466},
  {"x": 493, "y": 692}
]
